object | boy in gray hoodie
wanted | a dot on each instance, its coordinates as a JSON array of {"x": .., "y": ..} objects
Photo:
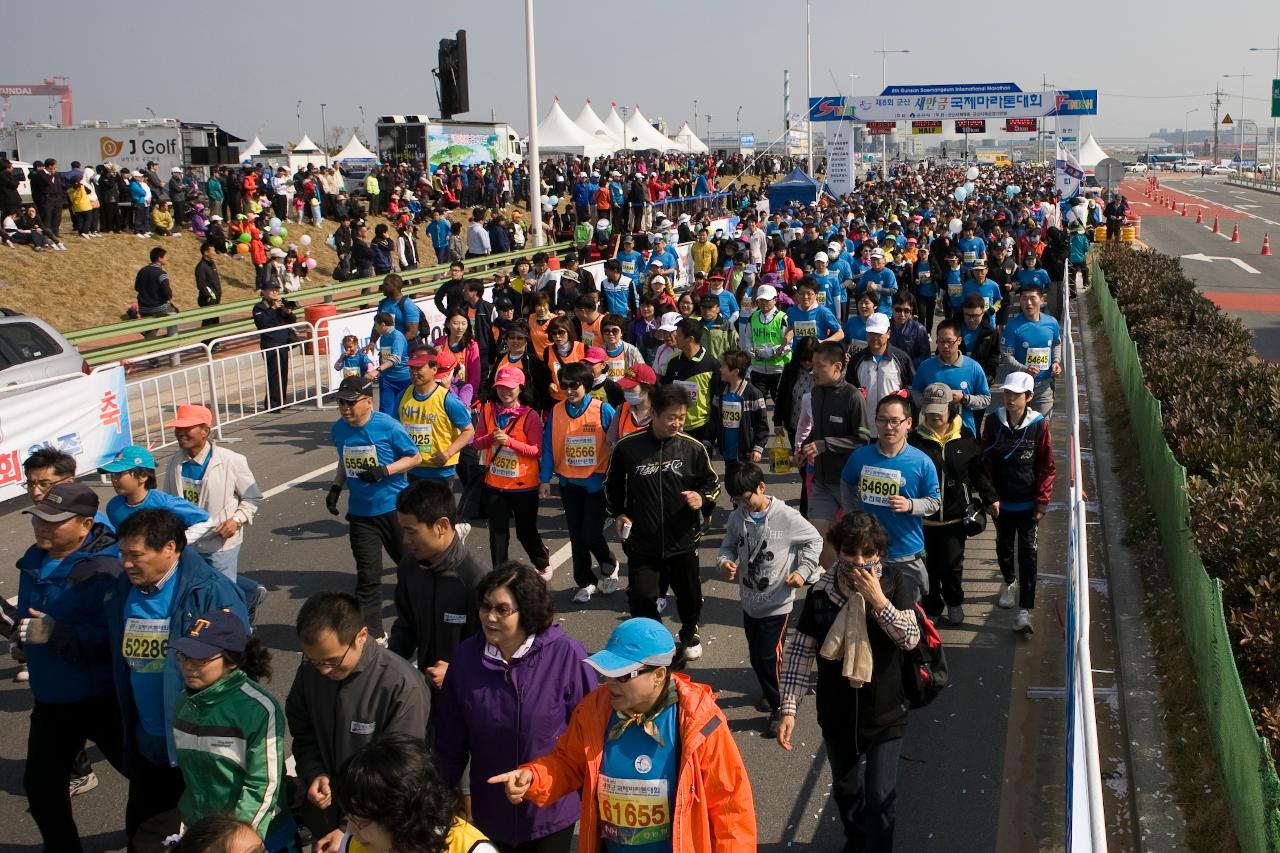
[{"x": 776, "y": 550}]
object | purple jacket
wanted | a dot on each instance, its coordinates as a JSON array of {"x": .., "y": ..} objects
[{"x": 499, "y": 715}]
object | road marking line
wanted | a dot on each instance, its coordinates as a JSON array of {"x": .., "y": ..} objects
[{"x": 301, "y": 478}]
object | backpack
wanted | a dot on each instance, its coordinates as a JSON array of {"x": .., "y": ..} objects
[{"x": 924, "y": 668}]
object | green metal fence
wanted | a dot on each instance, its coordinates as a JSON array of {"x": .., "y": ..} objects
[
  {"x": 1249, "y": 776},
  {"x": 102, "y": 344}
]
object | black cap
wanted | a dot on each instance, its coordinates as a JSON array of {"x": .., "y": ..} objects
[
  {"x": 353, "y": 388},
  {"x": 64, "y": 501}
]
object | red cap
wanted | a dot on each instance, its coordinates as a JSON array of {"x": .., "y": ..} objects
[
  {"x": 639, "y": 374},
  {"x": 595, "y": 355}
]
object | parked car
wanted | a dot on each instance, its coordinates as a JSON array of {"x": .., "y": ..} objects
[
  {"x": 1187, "y": 166},
  {"x": 32, "y": 350},
  {"x": 1136, "y": 168},
  {"x": 1223, "y": 170}
]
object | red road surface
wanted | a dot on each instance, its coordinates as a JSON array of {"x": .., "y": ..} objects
[{"x": 1135, "y": 189}]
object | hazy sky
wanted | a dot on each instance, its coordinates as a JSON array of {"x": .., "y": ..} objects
[{"x": 204, "y": 62}]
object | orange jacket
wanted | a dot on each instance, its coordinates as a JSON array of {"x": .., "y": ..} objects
[{"x": 714, "y": 811}]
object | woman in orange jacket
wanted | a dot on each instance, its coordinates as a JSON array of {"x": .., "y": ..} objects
[{"x": 651, "y": 754}]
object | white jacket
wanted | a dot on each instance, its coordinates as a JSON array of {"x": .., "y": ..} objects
[{"x": 228, "y": 490}]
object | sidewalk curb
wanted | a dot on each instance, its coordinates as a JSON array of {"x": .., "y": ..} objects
[{"x": 1158, "y": 820}]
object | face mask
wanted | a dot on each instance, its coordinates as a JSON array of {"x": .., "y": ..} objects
[{"x": 633, "y": 397}]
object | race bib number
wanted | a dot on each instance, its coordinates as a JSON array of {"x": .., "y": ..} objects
[
  {"x": 629, "y": 267},
  {"x": 806, "y": 328},
  {"x": 955, "y": 290},
  {"x": 617, "y": 367},
  {"x": 580, "y": 451},
  {"x": 421, "y": 435},
  {"x": 970, "y": 257},
  {"x": 359, "y": 457},
  {"x": 732, "y": 414},
  {"x": 633, "y": 811},
  {"x": 877, "y": 485},
  {"x": 822, "y": 297},
  {"x": 690, "y": 389},
  {"x": 384, "y": 353},
  {"x": 1038, "y": 358},
  {"x": 588, "y": 338},
  {"x": 505, "y": 464},
  {"x": 146, "y": 641},
  {"x": 856, "y": 346},
  {"x": 190, "y": 489},
  {"x": 350, "y": 371}
]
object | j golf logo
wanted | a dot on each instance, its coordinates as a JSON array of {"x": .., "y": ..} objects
[{"x": 110, "y": 147}]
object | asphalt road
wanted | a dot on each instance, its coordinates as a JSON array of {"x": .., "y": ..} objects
[
  {"x": 1234, "y": 275},
  {"x": 982, "y": 767}
]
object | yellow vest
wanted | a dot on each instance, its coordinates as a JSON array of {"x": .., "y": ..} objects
[{"x": 428, "y": 425}]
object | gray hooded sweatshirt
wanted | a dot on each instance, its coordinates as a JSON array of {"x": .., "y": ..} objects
[{"x": 766, "y": 551}]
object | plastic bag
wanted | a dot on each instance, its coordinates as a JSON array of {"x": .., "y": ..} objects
[{"x": 780, "y": 455}]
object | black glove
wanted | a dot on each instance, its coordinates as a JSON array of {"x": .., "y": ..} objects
[
  {"x": 373, "y": 475},
  {"x": 331, "y": 500}
]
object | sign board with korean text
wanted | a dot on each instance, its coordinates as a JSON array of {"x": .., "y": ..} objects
[
  {"x": 1020, "y": 125},
  {"x": 956, "y": 101},
  {"x": 841, "y": 169},
  {"x": 86, "y": 417},
  {"x": 926, "y": 127},
  {"x": 971, "y": 125},
  {"x": 880, "y": 128}
]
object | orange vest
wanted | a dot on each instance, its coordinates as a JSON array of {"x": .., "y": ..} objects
[
  {"x": 538, "y": 339},
  {"x": 579, "y": 441},
  {"x": 504, "y": 468},
  {"x": 591, "y": 336},
  {"x": 554, "y": 362},
  {"x": 626, "y": 423}
]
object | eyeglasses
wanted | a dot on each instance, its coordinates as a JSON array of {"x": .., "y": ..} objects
[
  {"x": 948, "y": 342},
  {"x": 559, "y": 333},
  {"x": 891, "y": 423},
  {"x": 502, "y": 611},
  {"x": 611, "y": 330},
  {"x": 198, "y": 661},
  {"x": 902, "y": 310},
  {"x": 330, "y": 663},
  {"x": 44, "y": 485},
  {"x": 625, "y": 677},
  {"x": 571, "y": 386}
]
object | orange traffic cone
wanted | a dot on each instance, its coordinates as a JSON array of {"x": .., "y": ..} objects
[
  {"x": 1215, "y": 226},
  {"x": 1184, "y": 208},
  {"x": 1266, "y": 244},
  {"x": 1235, "y": 234},
  {"x": 1199, "y": 215}
]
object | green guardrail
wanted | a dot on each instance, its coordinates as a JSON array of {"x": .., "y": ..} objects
[
  {"x": 84, "y": 338},
  {"x": 1265, "y": 184},
  {"x": 1248, "y": 774}
]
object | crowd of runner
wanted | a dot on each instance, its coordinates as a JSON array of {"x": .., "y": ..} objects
[{"x": 893, "y": 351}]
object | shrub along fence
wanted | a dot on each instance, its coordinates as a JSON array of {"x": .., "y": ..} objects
[{"x": 1205, "y": 403}]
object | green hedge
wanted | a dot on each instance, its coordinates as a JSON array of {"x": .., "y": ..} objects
[{"x": 1204, "y": 414}]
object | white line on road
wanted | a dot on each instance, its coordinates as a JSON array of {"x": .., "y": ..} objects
[{"x": 1211, "y": 258}]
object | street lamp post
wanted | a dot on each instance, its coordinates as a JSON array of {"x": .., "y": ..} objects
[
  {"x": 808, "y": 82},
  {"x": 1185, "y": 118},
  {"x": 1276, "y": 51},
  {"x": 884, "y": 141},
  {"x": 298, "y": 109},
  {"x": 1240, "y": 120},
  {"x": 324, "y": 136},
  {"x": 737, "y": 120},
  {"x": 535, "y": 171},
  {"x": 853, "y": 135},
  {"x": 695, "y": 116}
]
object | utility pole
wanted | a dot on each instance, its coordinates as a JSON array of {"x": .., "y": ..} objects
[{"x": 1217, "y": 104}]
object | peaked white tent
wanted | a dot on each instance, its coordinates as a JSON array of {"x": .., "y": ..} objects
[
  {"x": 558, "y": 134},
  {"x": 686, "y": 139},
  {"x": 640, "y": 135},
  {"x": 303, "y": 153},
  {"x": 613, "y": 123},
  {"x": 254, "y": 147},
  {"x": 354, "y": 151},
  {"x": 1091, "y": 153},
  {"x": 590, "y": 123}
]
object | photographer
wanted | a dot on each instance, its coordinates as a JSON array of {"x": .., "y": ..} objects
[{"x": 273, "y": 316}]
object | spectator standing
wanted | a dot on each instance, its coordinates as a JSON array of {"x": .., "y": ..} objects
[
  {"x": 272, "y": 316},
  {"x": 155, "y": 296},
  {"x": 478, "y": 244}
]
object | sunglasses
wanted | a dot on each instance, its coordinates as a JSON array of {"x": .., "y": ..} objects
[
  {"x": 625, "y": 677},
  {"x": 571, "y": 386}
]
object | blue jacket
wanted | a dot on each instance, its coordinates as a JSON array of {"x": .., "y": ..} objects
[
  {"x": 138, "y": 193},
  {"x": 76, "y": 662},
  {"x": 498, "y": 715},
  {"x": 439, "y": 231},
  {"x": 582, "y": 194},
  {"x": 200, "y": 590}
]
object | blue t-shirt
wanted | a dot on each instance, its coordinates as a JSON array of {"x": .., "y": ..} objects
[
  {"x": 955, "y": 287},
  {"x": 118, "y": 509},
  {"x": 191, "y": 475},
  {"x": 394, "y": 343},
  {"x": 874, "y": 478},
  {"x": 631, "y": 263},
  {"x": 381, "y": 441},
  {"x": 730, "y": 424},
  {"x": 991, "y": 297},
  {"x": 636, "y": 792},
  {"x": 728, "y": 304},
  {"x": 965, "y": 376},
  {"x": 357, "y": 365},
  {"x": 145, "y": 649},
  {"x": 925, "y": 286},
  {"x": 1037, "y": 277},
  {"x": 817, "y": 321},
  {"x": 971, "y": 248},
  {"x": 459, "y": 416},
  {"x": 1032, "y": 343},
  {"x": 886, "y": 283},
  {"x": 830, "y": 292},
  {"x": 403, "y": 310}
]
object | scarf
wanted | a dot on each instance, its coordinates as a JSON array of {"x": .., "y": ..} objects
[
  {"x": 847, "y": 641},
  {"x": 646, "y": 719}
]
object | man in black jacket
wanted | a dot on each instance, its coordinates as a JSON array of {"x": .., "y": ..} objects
[
  {"x": 10, "y": 198},
  {"x": 208, "y": 281},
  {"x": 155, "y": 297},
  {"x": 435, "y": 582},
  {"x": 978, "y": 339},
  {"x": 655, "y": 488},
  {"x": 49, "y": 192}
]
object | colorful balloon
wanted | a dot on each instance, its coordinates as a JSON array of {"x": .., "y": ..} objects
[
  {"x": 244, "y": 238},
  {"x": 306, "y": 240},
  {"x": 968, "y": 188},
  {"x": 311, "y": 263},
  {"x": 277, "y": 240},
  {"x": 274, "y": 223},
  {"x": 971, "y": 174},
  {"x": 243, "y": 248},
  {"x": 960, "y": 194}
]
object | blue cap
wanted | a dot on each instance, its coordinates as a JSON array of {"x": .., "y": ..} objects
[
  {"x": 131, "y": 457},
  {"x": 635, "y": 643},
  {"x": 212, "y": 634}
]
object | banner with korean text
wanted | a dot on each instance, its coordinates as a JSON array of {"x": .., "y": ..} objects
[{"x": 85, "y": 416}]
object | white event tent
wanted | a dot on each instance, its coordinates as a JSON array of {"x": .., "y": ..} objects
[
  {"x": 1091, "y": 153},
  {"x": 686, "y": 138},
  {"x": 640, "y": 135},
  {"x": 303, "y": 153},
  {"x": 590, "y": 123},
  {"x": 558, "y": 134},
  {"x": 354, "y": 151},
  {"x": 254, "y": 148}
]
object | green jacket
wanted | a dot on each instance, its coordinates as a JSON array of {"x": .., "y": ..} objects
[
  {"x": 700, "y": 378},
  {"x": 230, "y": 739},
  {"x": 719, "y": 337}
]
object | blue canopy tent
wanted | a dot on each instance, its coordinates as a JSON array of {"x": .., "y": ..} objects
[{"x": 795, "y": 189}]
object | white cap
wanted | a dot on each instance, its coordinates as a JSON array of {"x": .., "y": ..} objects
[
  {"x": 669, "y": 321},
  {"x": 1019, "y": 382},
  {"x": 877, "y": 253},
  {"x": 657, "y": 279},
  {"x": 215, "y": 218},
  {"x": 766, "y": 291},
  {"x": 684, "y": 217},
  {"x": 835, "y": 248},
  {"x": 877, "y": 323},
  {"x": 820, "y": 256}
]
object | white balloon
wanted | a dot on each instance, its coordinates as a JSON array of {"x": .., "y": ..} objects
[
  {"x": 306, "y": 239},
  {"x": 954, "y": 226},
  {"x": 972, "y": 174}
]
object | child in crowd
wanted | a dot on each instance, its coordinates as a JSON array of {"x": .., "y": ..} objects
[
  {"x": 354, "y": 361},
  {"x": 738, "y": 413}
]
